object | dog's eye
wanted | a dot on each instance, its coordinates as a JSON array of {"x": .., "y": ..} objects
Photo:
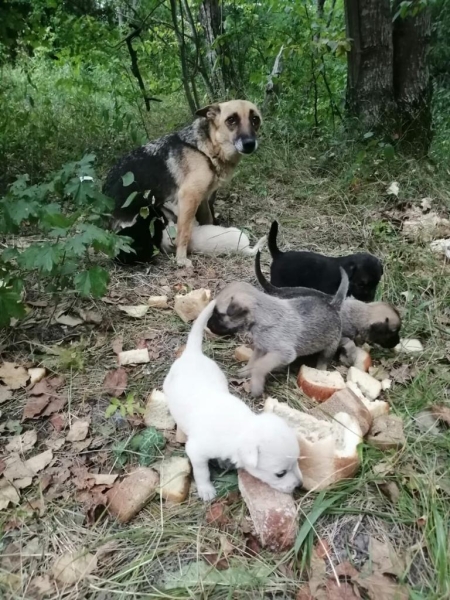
[
  {"x": 231, "y": 120},
  {"x": 256, "y": 121},
  {"x": 281, "y": 474}
]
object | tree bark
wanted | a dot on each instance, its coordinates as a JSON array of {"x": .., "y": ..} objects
[
  {"x": 211, "y": 20},
  {"x": 412, "y": 83},
  {"x": 370, "y": 89}
]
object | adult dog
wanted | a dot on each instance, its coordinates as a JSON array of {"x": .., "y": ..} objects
[
  {"x": 312, "y": 270},
  {"x": 220, "y": 426},
  {"x": 185, "y": 168}
]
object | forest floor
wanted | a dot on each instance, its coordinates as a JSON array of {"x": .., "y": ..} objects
[{"x": 165, "y": 551}]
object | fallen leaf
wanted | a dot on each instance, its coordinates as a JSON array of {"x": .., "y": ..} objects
[
  {"x": 5, "y": 394},
  {"x": 384, "y": 559},
  {"x": 393, "y": 189},
  {"x": 8, "y": 494},
  {"x": 41, "y": 586},
  {"x": 55, "y": 443},
  {"x": 380, "y": 587},
  {"x": 80, "y": 446},
  {"x": 252, "y": 545},
  {"x": 2, "y": 465},
  {"x": 65, "y": 319},
  {"x": 403, "y": 374},
  {"x": 347, "y": 570},
  {"x": 90, "y": 316},
  {"x": 212, "y": 558},
  {"x": 115, "y": 382},
  {"x": 317, "y": 572},
  {"x": 74, "y": 566},
  {"x": 226, "y": 546},
  {"x": 441, "y": 412},
  {"x": 78, "y": 431},
  {"x": 58, "y": 422},
  {"x": 322, "y": 548},
  {"x": 344, "y": 590},
  {"x": 427, "y": 422},
  {"x": 117, "y": 345},
  {"x": 39, "y": 462},
  {"x": 56, "y": 404},
  {"x": 22, "y": 443},
  {"x": 391, "y": 490},
  {"x": 35, "y": 406},
  {"x": 13, "y": 375},
  {"x": 137, "y": 312},
  {"x": 102, "y": 479},
  {"x": 216, "y": 515}
]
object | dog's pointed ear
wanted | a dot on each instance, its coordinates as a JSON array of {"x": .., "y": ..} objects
[
  {"x": 210, "y": 112},
  {"x": 248, "y": 453}
]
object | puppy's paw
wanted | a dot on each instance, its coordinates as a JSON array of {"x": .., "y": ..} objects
[
  {"x": 244, "y": 372},
  {"x": 206, "y": 491},
  {"x": 184, "y": 262},
  {"x": 256, "y": 389}
]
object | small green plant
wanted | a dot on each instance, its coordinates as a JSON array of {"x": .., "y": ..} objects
[
  {"x": 147, "y": 446},
  {"x": 127, "y": 408},
  {"x": 68, "y": 213}
]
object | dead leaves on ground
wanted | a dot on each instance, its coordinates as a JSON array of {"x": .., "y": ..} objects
[
  {"x": 44, "y": 399},
  {"x": 378, "y": 578},
  {"x": 13, "y": 376},
  {"x": 115, "y": 382}
]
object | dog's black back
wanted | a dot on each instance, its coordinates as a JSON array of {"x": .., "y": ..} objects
[{"x": 313, "y": 270}]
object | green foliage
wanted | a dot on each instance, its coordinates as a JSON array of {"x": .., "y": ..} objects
[
  {"x": 68, "y": 211},
  {"x": 127, "y": 408},
  {"x": 147, "y": 445}
]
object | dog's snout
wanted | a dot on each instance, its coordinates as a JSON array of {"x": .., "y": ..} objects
[{"x": 248, "y": 145}]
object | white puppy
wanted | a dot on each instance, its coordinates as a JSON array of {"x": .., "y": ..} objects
[
  {"x": 212, "y": 239},
  {"x": 220, "y": 426}
]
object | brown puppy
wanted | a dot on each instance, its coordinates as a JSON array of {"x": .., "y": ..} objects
[{"x": 177, "y": 175}]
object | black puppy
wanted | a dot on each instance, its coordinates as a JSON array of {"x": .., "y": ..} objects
[{"x": 312, "y": 270}]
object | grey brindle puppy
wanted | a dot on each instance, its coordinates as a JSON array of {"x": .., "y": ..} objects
[{"x": 282, "y": 329}]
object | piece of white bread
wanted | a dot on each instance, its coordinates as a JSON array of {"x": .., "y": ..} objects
[
  {"x": 363, "y": 361},
  {"x": 157, "y": 412},
  {"x": 369, "y": 386},
  {"x": 174, "y": 482},
  {"x": 375, "y": 407},
  {"x": 328, "y": 449},
  {"x": 344, "y": 401},
  {"x": 319, "y": 385}
]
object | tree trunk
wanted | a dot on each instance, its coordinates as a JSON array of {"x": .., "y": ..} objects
[
  {"x": 211, "y": 20},
  {"x": 370, "y": 89},
  {"x": 412, "y": 83}
]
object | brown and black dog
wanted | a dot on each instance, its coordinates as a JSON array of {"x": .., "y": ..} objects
[{"x": 175, "y": 176}]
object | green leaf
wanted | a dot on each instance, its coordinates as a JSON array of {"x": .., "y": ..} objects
[
  {"x": 127, "y": 179},
  {"x": 130, "y": 199},
  {"x": 110, "y": 410},
  {"x": 144, "y": 212},
  {"x": 44, "y": 257},
  {"x": 389, "y": 152},
  {"x": 11, "y": 303},
  {"x": 93, "y": 282}
]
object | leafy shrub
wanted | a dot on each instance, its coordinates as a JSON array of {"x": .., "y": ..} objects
[{"x": 67, "y": 212}]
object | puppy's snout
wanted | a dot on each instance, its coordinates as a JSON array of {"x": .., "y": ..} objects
[{"x": 249, "y": 144}]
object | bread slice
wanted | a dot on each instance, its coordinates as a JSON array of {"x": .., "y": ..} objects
[
  {"x": 157, "y": 412},
  {"x": 328, "y": 449},
  {"x": 363, "y": 361},
  {"x": 344, "y": 401},
  {"x": 369, "y": 386},
  {"x": 375, "y": 407},
  {"x": 319, "y": 385},
  {"x": 174, "y": 482}
]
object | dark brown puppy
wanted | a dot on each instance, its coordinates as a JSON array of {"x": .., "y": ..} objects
[
  {"x": 180, "y": 172},
  {"x": 312, "y": 270}
]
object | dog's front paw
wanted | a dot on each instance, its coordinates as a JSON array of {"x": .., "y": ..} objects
[
  {"x": 244, "y": 372},
  {"x": 184, "y": 262},
  {"x": 256, "y": 388},
  {"x": 206, "y": 491}
]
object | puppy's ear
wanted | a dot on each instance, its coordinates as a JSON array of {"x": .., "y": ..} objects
[
  {"x": 210, "y": 112},
  {"x": 236, "y": 311},
  {"x": 248, "y": 454}
]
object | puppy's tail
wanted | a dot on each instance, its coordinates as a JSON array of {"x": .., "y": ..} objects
[
  {"x": 341, "y": 294},
  {"x": 274, "y": 250},
  {"x": 256, "y": 248},
  {"x": 195, "y": 337},
  {"x": 263, "y": 282}
]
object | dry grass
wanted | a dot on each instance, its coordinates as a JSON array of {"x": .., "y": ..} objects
[{"x": 317, "y": 210}]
